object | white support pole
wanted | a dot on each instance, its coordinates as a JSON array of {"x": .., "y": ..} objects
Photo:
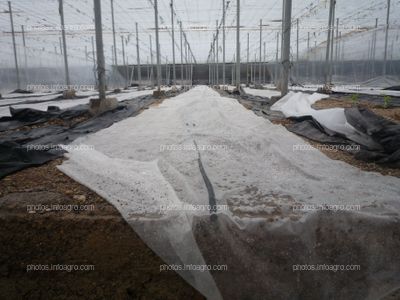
[
  {"x": 187, "y": 60},
  {"x": 181, "y": 34},
  {"x": 308, "y": 55},
  {"x": 332, "y": 42},
  {"x": 264, "y": 62},
  {"x": 139, "y": 70},
  {"x": 217, "y": 50},
  {"x": 328, "y": 44},
  {"x": 93, "y": 53},
  {"x": 238, "y": 44},
  {"x": 374, "y": 47},
  {"x": 25, "y": 54},
  {"x": 286, "y": 46},
  {"x": 61, "y": 10},
  {"x": 297, "y": 41},
  {"x": 151, "y": 60},
  {"x": 337, "y": 40},
  {"x": 100, "y": 51},
  {"x": 260, "y": 58},
  {"x": 157, "y": 46},
  {"x": 277, "y": 59},
  {"x": 386, "y": 38},
  {"x": 173, "y": 44},
  {"x": 124, "y": 61},
  {"x": 248, "y": 59},
  {"x": 14, "y": 45},
  {"x": 297, "y": 50},
  {"x": 212, "y": 64},
  {"x": 223, "y": 42},
  {"x": 113, "y": 31},
  {"x": 61, "y": 47}
]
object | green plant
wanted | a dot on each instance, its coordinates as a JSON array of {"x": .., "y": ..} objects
[
  {"x": 354, "y": 99},
  {"x": 386, "y": 101}
]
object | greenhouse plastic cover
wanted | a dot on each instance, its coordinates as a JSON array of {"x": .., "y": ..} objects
[{"x": 145, "y": 164}]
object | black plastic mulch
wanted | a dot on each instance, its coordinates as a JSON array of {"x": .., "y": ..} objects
[{"x": 21, "y": 149}]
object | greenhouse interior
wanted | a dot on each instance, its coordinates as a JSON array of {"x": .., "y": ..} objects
[{"x": 181, "y": 149}]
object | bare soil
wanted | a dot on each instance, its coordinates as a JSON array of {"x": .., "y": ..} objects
[{"x": 124, "y": 267}]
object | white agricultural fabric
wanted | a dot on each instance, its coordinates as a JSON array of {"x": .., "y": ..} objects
[
  {"x": 143, "y": 164},
  {"x": 262, "y": 93}
]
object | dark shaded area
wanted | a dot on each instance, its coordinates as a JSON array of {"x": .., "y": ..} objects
[
  {"x": 14, "y": 157},
  {"x": 207, "y": 182},
  {"x": 393, "y": 88},
  {"x": 28, "y": 116},
  {"x": 383, "y": 131},
  {"x": 311, "y": 129},
  {"x": 20, "y": 91},
  {"x": 268, "y": 260}
]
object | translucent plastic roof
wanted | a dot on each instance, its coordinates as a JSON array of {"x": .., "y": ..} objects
[{"x": 42, "y": 27}]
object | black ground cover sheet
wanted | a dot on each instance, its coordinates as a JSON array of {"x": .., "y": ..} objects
[
  {"x": 20, "y": 149},
  {"x": 382, "y": 131}
]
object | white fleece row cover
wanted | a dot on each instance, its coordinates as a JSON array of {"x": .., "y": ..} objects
[
  {"x": 299, "y": 105},
  {"x": 148, "y": 167}
]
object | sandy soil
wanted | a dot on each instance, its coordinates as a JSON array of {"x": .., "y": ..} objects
[{"x": 124, "y": 267}]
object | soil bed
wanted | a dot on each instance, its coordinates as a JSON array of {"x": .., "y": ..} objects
[{"x": 124, "y": 267}]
